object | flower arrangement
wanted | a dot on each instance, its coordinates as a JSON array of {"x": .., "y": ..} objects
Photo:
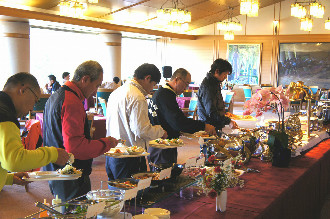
[
  {"x": 218, "y": 178},
  {"x": 266, "y": 99},
  {"x": 278, "y": 99}
]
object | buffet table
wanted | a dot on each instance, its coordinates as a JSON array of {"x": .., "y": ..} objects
[{"x": 294, "y": 192}]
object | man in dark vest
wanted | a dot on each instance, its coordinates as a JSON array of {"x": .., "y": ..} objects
[
  {"x": 66, "y": 126},
  {"x": 165, "y": 111}
]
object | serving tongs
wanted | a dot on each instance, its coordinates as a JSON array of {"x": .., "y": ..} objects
[{"x": 47, "y": 208}]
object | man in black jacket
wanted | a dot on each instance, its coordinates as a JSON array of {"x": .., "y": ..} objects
[
  {"x": 211, "y": 108},
  {"x": 165, "y": 111}
]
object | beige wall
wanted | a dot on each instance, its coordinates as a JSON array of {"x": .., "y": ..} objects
[{"x": 197, "y": 55}]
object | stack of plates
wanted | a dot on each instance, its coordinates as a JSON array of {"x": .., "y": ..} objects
[{"x": 158, "y": 212}]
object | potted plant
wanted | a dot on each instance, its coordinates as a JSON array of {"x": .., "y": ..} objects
[{"x": 277, "y": 100}]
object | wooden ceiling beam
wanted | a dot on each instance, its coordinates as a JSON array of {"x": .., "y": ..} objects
[{"x": 20, "y": 13}]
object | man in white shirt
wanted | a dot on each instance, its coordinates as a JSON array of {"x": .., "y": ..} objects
[{"x": 127, "y": 119}]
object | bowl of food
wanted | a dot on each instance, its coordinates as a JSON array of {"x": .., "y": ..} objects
[
  {"x": 73, "y": 209},
  {"x": 114, "y": 200},
  {"x": 126, "y": 183}
]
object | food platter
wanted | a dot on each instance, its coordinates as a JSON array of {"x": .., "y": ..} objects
[
  {"x": 125, "y": 152},
  {"x": 155, "y": 144}
]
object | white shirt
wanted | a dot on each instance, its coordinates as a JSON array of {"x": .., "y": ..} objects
[{"x": 127, "y": 116}]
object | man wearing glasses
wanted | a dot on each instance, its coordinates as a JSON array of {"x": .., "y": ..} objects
[
  {"x": 20, "y": 94},
  {"x": 165, "y": 111}
]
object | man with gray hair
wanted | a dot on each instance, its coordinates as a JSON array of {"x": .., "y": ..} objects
[
  {"x": 165, "y": 111},
  {"x": 66, "y": 126}
]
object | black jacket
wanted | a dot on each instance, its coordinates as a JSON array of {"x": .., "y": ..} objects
[
  {"x": 165, "y": 111},
  {"x": 211, "y": 108}
]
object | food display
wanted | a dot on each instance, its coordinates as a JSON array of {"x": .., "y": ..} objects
[{"x": 69, "y": 170}]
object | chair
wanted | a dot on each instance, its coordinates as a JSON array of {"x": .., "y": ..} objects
[
  {"x": 103, "y": 93},
  {"x": 192, "y": 110},
  {"x": 31, "y": 138},
  {"x": 103, "y": 105},
  {"x": 188, "y": 93},
  {"x": 247, "y": 92},
  {"x": 90, "y": 118},
  {"x": 266, "y": 85},
  {"x": 228, "y": 101}
]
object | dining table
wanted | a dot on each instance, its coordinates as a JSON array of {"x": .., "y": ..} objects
[{"x": 294, "y": 192}]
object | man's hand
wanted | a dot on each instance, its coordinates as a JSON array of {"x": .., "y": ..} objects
[
  {"x": 62, "y": 158},
  {"x": 18, "y": 178},
  {"x": 233, "y": 125},
  {"x": 210, "y": 129},
  {"x": 165, "y": 135},
  {"x": 113, "y": 141}
]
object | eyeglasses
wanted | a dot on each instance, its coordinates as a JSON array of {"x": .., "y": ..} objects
[
  {"x": 186, "y": 83},
  {"x": 35, "y": 95}
]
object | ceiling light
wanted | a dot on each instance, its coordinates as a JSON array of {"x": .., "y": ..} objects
[
  {"x": 230, "y": 25},
  {"x": 327, "y": 24},
  {"x": 72, "y": 8},
  {"x": 93, "y": 1},
  {"x": 306, "y": 24},
  {"x": 299, "y": 9},
  {"x": 229, "y": 35},
  {"x": 249, "y": 7},
  {"x": 174, "y": 16}
]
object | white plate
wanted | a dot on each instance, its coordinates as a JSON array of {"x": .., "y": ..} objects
[
  {"x": 43, "y": 174},
  {"x": 70, "y": 175},
  {"x": 127, "y": 155},
  {"x": 135, "y": 153}
]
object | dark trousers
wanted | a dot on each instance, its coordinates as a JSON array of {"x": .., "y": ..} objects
[
  {"x": 69, "y": 189},
  {"x": 119, "y": 168},
  {"x": 163, "y": 156}
]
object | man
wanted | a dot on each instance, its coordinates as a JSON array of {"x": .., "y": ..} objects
[
  {"x": 66, "y": 126},
  {"x": 66, "y": 77},
  {"x": 211, "y": 108},
  {"x": 18, "y": 97},
  {"x": 53, "y": 84},
  {"x": 165, "y": 111},
  {"x": 127, "y": 119}
]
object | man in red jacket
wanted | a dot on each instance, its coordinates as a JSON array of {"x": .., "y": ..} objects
[{"x": 66, "y": 126}]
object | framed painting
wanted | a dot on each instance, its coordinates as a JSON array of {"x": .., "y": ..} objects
[
  {"x": 307, "y": 62},
  {"x": 245, "y": 60}
]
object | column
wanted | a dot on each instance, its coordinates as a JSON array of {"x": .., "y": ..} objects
[
  {"x": 16, "y": 42},
  {"x": 112, "y": 65}
]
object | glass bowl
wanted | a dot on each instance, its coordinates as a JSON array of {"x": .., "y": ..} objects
[{"x": 114, "y": 200}]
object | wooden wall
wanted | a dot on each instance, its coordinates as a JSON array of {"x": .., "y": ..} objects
[{"x": 197, "y": 55}]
